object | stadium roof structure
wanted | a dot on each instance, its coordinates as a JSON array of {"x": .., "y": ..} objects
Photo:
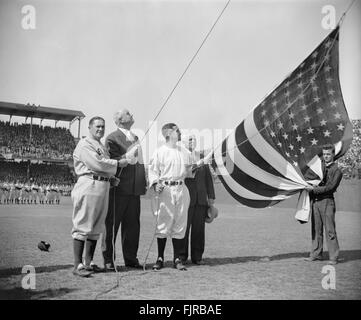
[{"x": 33, "y": 111}]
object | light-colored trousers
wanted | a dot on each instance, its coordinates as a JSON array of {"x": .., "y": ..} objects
[
  {"x": 90, "y": 205},
  {"x": 171, "y": 210}
]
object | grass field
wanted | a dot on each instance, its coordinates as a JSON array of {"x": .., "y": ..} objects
[{"x": 250, "y": 254}]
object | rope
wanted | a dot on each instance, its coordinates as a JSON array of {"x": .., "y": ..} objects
[
  {"x": 163, "y": 106},
  {"x": 113, "y": 244},
  {"x": 155, "y": 118},
  {"x": 154, "y": 233},
  {"x": 186, "y": 69}
]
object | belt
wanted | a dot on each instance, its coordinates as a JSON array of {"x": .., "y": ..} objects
[
  {"x": 95, "y": 177},
  {"x": 173, "y": 183}
]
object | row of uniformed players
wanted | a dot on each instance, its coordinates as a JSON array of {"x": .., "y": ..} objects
[{"x": 26, "y": 193}]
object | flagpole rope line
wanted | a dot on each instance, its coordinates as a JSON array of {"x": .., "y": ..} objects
[
  {"x": 257, "y": 133},
  {"x": 145, "y": 134},
  {"x": 186, "y": 69},
  {"x": 155, "y": 230}
]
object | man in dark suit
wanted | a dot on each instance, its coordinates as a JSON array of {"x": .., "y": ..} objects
[
  {"x": 124, "y": 199},
  {"x": 324, "y": 208},
  {"x": 201, "y": 190}
]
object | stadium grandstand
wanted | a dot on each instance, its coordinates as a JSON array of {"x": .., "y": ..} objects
[
  {"x": 36, "y": 161},
  {"x": 350, "y": 163}
]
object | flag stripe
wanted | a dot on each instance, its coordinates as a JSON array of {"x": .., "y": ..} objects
[
  {"x": 273, "y": 157},
  {"x": 246, "y": 148},
  {"x": 249, "y": 168},
  {"x": 246, "y": 201},
  {"x": 248, "y": 181},
  {"x": 236, "y": 187}
]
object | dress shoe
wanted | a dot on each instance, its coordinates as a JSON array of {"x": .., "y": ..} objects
[
  {"x": 109, "y": 267},
  {"x": 93, "y": 267},
  {"x": 310, "y": 259},
  {"x": 81, "y": 271},
  {"x": 158, "y": 265},
  {"x": 179, "y": 265},
  {"x": 199, "y": 262}
]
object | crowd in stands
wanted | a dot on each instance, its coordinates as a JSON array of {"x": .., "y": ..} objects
[
  {"x": 45, "y": 142},
  {"x": 350, "y": 163},
  {"x": 40, "y": 173},
  {"x": 27, "y": 183}
]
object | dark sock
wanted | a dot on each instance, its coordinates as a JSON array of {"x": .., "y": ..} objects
[
  {"x": 177, "y": 245},
  {"x": 78, "y": 247},
  {"x": 161, "y": 246},
  {"x": 89, "y": 250}
]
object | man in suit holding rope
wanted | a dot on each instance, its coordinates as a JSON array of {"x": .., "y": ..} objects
[{"x": 124, "y": 200}]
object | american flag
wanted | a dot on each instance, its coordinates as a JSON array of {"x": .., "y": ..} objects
[{"x": 275, "y": 152}]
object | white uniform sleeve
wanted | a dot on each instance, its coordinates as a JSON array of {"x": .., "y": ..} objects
[
  {"x": 96, "y": 162},
  {"x": 154, "y": 169}
]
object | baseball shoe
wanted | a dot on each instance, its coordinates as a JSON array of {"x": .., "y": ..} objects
[
  {"x": 109, "y": 267},
  {"x": 332, "y": 262},
  {"x": 199, "y": 262},
  {"x": 81, "y": 271},
  {"x": 179, "y": 265},
  {"x": 159, "y": 264}
]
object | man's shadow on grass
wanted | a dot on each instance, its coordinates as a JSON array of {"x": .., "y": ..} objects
[{"x": 344, "y": 256}]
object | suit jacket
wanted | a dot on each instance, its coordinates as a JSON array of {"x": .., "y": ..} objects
[
  {"x": 201, "y": 186},
  {"x": 132, "y": 177}
]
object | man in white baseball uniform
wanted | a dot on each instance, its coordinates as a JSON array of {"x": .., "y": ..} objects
[
  {"x": 171, "y": 163},
  {"x": 90, "y": 195}
]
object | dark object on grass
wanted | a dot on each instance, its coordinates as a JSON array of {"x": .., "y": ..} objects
[{"x": 44, "y": 246}]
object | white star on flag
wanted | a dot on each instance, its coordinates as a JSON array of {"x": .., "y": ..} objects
[{"x": 326, "y": 133}]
